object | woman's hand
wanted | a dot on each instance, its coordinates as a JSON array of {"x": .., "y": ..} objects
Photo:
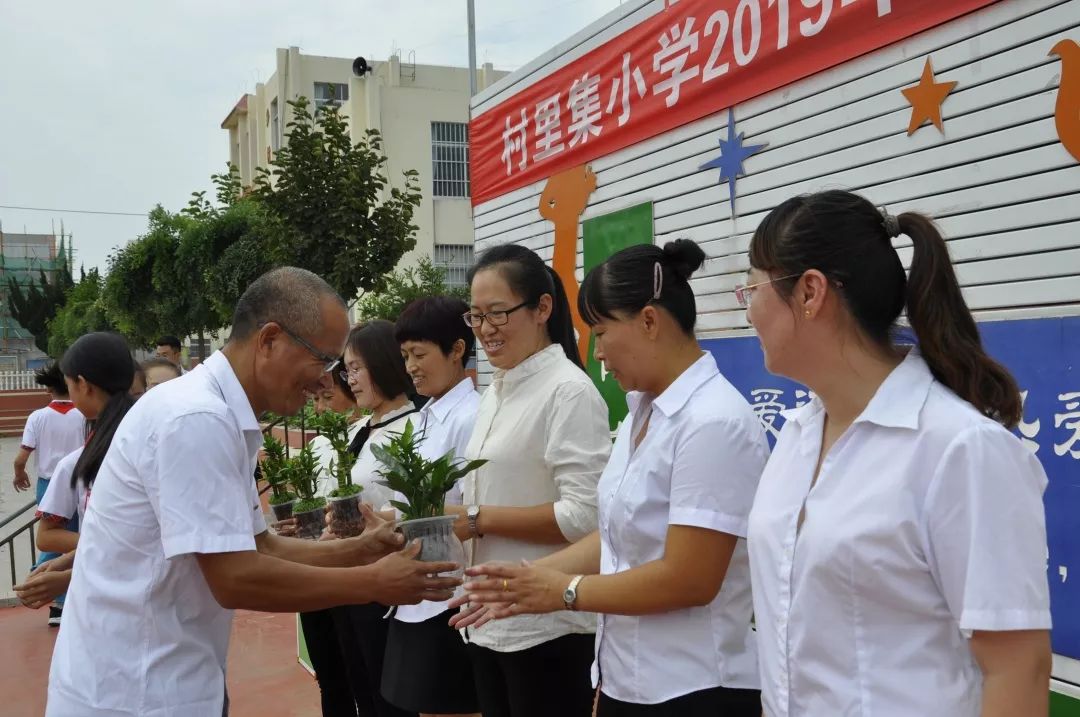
[
  {"x": 43, "y": 585},
  {"x": 285, "y": 528},
  {"x": 524, "y": 589},
  {"x": 476, "y": 615}
]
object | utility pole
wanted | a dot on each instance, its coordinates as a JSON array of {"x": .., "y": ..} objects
[{"x": 472, "y": 47}]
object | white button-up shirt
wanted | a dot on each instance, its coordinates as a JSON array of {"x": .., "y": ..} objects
[
  {"x": 60, "y": 499},
  {"x": 926, "y": 523},
  {"x": 53, "y": 432},
  {"x": 447, "y": 425},
  {"x": 142, "y": 634},
  {"x": 698, "y": 465},
  {"x": 365, "y": 472},
  {"x": 543, "y": 427}
]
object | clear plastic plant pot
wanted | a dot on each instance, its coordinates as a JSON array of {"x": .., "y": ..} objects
[
  {"x": 346, "y": 520},
  {"x": 310, "y": 523},
  {"x": 438, "y": 542},
  {"x": 283, "y": 511}
]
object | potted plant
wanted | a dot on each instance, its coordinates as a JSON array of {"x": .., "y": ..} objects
[
  {"x": 423, "y": 484},
  {"x": 309, "y": 511},
  {"x": 345, "y": 517},
  {"x": 276, "y": 473}
]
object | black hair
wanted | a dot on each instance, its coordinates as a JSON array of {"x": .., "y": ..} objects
[
  {"x": 530, "y": 278},
  {"x": 436, "y": 319},
  {"x": 342, "y": 383},
  {"x": 374, "y": 343},
  {"x": 288, "y": 296},
  {"x": 845, "y": 237},
  {"x": 52, "y": 378},
  {"x": 104, "y": 360},
  {"x": 170, "y": 341},
  {"x": 629, "y": 280},
  {"x": 159, "y": 362}
]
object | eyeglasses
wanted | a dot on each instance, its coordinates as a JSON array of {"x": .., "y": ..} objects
[
  {"x": 494, "y": 318},
  {"x": 348, "y": 374},
  {"x": 329, "y": 362},
  {"x": 744, "y": 293}
]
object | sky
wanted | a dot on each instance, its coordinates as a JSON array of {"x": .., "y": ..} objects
[{"x": 116, "y": 105}]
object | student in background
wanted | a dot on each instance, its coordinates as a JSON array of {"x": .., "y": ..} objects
[
  {"x": 898, "y": 538},
  {"x": 427, "y": 668},
  {"x": 52, "y": 432},
  {"x": 668, "y": 569},
  {"x": 158, "y": 370}
]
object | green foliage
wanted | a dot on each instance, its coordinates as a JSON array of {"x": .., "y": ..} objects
[
  {"x": 327, "y": 202},
  {"x": 423, "y": 483},
  {"x": 335, "y": 426},
  {"x": 83, "y": 312},
  {"x": 304, "y": 419},
  {"x": 35, "y": 303},
  {"x": 303, "y": 471},
  {"x": 276, "y": 470},
  {"x": 404, "y": 286}
]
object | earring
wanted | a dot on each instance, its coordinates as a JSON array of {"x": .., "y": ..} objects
[{"x": 808, "y": 313}]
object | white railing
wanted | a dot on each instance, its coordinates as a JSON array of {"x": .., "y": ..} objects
[{"x": 18, "y": 381}]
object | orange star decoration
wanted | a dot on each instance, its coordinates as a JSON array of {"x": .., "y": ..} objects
[{"x": 926, "y": 98}]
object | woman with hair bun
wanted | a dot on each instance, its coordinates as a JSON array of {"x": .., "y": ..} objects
[{"x": 667, "y": 570}]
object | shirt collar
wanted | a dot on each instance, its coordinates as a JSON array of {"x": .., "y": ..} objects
[
  {"x": 442, "y": 407},
  {"x": 534, "y": 364},
  {"x": 236, "y": 399},
  {"x": 897, "y": 402},
  {"x": 681, "y": 389}
]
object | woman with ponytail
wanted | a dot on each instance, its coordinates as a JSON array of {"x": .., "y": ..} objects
[
  {"x": 668, "y": 568},
  {"x": 98, "y": 371},
  {"x": 897, "y": 539},
  {"x": 543, "y": 428}
]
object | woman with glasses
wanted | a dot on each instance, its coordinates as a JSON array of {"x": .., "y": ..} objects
[
  {"x": 897, "y": 539},
  {"x": 375, "y": 372},
  {"x": 668, "y": 569},
  {"x": 543, "y": 428}
]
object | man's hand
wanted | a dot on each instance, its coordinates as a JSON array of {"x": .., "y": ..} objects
[
  {"x": 400, "y": 579},
  {"x": 22, "y": 480},
  {"x": 43, "y": 585},
  {"x": 379, "y": 539}
]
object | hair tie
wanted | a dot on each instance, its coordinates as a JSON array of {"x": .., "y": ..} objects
[
  {"x": 891, "y": 224},
  {"x": 658, "y": 281}
]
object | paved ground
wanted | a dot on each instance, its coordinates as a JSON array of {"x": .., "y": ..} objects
[{"x": 264, "y": 677}]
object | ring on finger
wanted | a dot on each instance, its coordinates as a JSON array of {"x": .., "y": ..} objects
[{"x": 506, "y": 586}]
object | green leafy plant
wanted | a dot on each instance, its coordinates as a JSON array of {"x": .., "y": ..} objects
[
  {"x": 335, "y": 426},
  {"x": 275, "y": 470},
  {"x": 303, "y": 470},
  {"x": 422, "y": 482}
]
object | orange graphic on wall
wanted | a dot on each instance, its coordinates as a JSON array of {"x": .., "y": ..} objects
[
  {"x": 564, "y": 198},
  {"x": 1067, "y": 111},
  {"x": 926, "y": 98}
]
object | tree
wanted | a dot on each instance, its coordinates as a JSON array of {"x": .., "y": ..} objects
[
  {"x": 405, "y": 286},
  {"x": 83, "y": 312},
  {"x": 35, "y": 303},
  {"x": 328, "y": 207}
]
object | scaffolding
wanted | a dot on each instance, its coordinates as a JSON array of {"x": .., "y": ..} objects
[{"x": 23, "y": 259}]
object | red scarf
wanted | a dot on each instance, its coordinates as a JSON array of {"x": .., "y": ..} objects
[{"x": 61, "y": 407}]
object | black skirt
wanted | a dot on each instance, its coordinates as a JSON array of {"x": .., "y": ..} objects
[{"x": 427, "y": 668}]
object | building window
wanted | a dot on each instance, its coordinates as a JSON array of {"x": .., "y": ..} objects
[
  {"x": 450, "y": 160},
  {"x": 327, "y": 92},
  {"x": 456, "y": 260},
  {"x": 275, "y": 126}
]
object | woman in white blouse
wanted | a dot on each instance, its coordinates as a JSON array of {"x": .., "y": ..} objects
[
  {"x": 668, "y": 568},
  {"x": 376, "y": 374},
  {"x": 427, "y": 668},
  {"x": 543, "y": 428},
  {"x": 897, "y": 540}
]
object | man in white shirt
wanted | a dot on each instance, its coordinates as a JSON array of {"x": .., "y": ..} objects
[{"x": 174, "y": 538}]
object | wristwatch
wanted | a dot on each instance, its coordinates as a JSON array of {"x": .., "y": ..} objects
[
  {"x": 569, "y": 595},
  {"x": 473, "y": 514}
]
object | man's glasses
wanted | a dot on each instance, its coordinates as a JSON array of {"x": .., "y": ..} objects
[
  {"x": 329, "y": 362},
  {"x": 494, "y": 318}
]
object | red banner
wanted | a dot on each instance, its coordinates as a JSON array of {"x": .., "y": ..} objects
[{"x": 693, "y": 59}]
